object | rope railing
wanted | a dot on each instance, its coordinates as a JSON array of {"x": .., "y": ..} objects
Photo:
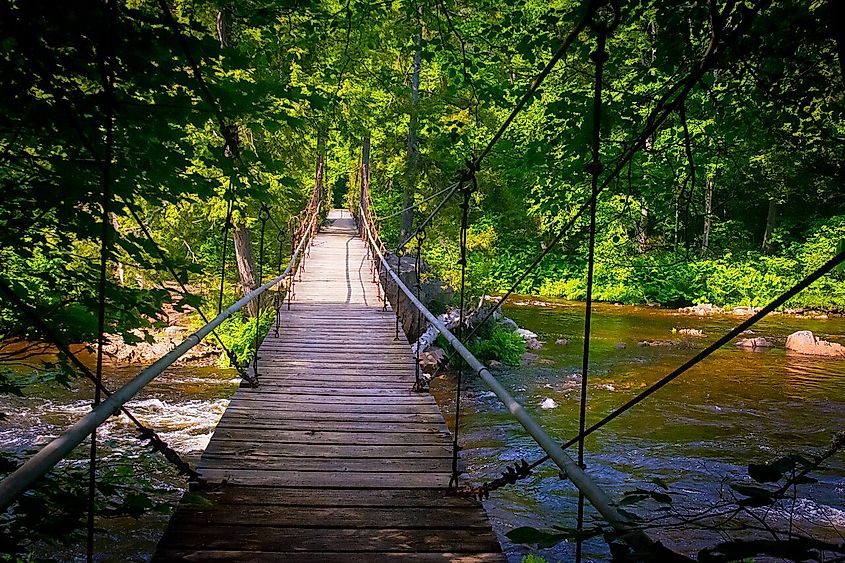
[
  {"x": 47, "y": 457},
  {"x": 569, "y": 467}
]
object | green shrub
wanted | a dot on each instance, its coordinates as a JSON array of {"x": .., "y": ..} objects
[
  {"x": 238, "y": 334},
  {"x": 502, "y": 345}
]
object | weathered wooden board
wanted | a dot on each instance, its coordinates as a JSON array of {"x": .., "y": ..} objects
[{"x": 333, "y": 457}]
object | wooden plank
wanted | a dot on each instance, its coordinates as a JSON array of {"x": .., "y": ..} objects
[
  {"x": 259, "y": 450},
  {"x": 403, "y": 518},
  {"x": 334, "y": 437},
  {"x": 298, "y": 497},
  {"x": 348, "y": 465},
  {"x": 247, "y": 538},
  {"x": 323, "y": 557},
  {"x": 237, "y": 411},
  {"x": 321, "y": 479},
  {"x": 263, "y": 425}
]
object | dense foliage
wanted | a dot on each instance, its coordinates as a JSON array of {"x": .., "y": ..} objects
[{"x": 735, "y": 198}]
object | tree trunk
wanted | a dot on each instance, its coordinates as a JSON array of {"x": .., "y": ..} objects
[
  {"x": 412, "y": 161},
  {"x": 365, "y": 172},
  {"x": 771, "y": 223},
  {"x": 320, "y": 166},
  {"x": 224, "y": 25},
  {"x": 709, "y": 183},
  {"x": 677, "y": 234},
  {"x": 642, "y": 229},
  {"x": 246, "y": 264}
]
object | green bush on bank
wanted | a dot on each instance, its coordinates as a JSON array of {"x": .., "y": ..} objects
[
  {"x": 501, "y": 345},
  {"x": 238, "y": 335},
  {"x": 727, "y": 277}
]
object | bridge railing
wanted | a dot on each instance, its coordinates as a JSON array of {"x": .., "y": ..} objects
[
  {"x": 592, "y": 492},
  {"x": 47, "y": 457}
]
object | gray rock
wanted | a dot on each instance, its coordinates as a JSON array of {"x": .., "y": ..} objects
[
  {"x": 525, "y": 334},
  {"x": 691, "y": 332},
  {"x": 753, "y": 343},
  {"x": 533, "y": 344},
  {"x": 561, "y": 341},
  {"x": 528, "y": 358},
  {"x": 805, "y": 342},
  {"x": 620, "y": 345},
  {"x": 702, "y": 310}
]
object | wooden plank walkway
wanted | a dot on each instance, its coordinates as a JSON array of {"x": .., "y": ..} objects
[{"x": 333, "y": 457}]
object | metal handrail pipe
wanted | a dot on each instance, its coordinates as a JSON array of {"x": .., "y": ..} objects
[
  {"x": 47, "y": 457},
  {"x": 583, "y": 482}
]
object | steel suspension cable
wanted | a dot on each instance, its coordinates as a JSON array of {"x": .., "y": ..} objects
[
  {"x": 452, "y": 189},
  {"x": 106, "y": 63},
  {"x": 419, "y": 386},
  {"x": 226, "y": 226},
  {"x": 280, "y": 296},
  {"x": 594, "y": 168},
  {"x": 169, "y": 266},
  {"x": 53, "y": 336},
  {"x": 263, "y": 216},
  {"x": 416, "y": 204},
  {"x": 453, "y": 480},
  {"x": 663, "y": 109}
]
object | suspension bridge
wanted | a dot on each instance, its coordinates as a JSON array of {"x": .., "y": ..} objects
[
  {"x": 334, "y": 456},
  {"x": 332, "y": 452}
]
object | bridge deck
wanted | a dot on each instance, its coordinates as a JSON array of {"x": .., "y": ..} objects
[{"x": 333, "y": 457}]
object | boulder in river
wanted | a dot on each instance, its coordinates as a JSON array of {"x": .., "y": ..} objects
[
  {"x": 548, "y": 403},
  {"x": 805, "y": 342},
  {"x": 649, "y": 343},
  {"x": 702, "y": 310},
  {"x": 691, "y": 331},
  {"x": 620, "y": 345},
  {"x": 745, "y": 311},
  {"x": 561, "y": 341},
  {"x": 754, "y": 343}
]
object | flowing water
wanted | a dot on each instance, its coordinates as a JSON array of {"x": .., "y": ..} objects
[{"x": 735, "y": 408}]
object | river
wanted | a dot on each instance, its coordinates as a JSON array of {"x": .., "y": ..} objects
[{"x": 735, "y": 408}]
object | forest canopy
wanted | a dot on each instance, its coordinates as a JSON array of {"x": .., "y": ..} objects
[{"x": 201, "y": 113}]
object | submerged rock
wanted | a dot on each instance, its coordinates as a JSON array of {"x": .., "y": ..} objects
[
  {"x": 620, "y": 345},
  {"x": 648, "y": 343},
  {"x": 528, "y": 357},
  {"x": 526, "y": 334},
  {"x": 702, "y": 310},
  {"x": 805, "y": 342},
  {"x": 548, "y": 403},
  {"x": 691, "y": 331},
  {"x": 561, "y": 341},
  {"x": 754, "y": 343}
]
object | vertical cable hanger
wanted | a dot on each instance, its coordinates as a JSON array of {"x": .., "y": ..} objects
[
  {"x": 281, "y": 236},
  {"x": 420, "y": 385},
  {"x": 263, "y": 217},
  {"x": 464, "y": 188},
  {"x": 396, "y": 303},
  {"x": 603, "y": 19},
  {"x": 106, "y": 63},
  {"x": 226, "y": 226}
]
